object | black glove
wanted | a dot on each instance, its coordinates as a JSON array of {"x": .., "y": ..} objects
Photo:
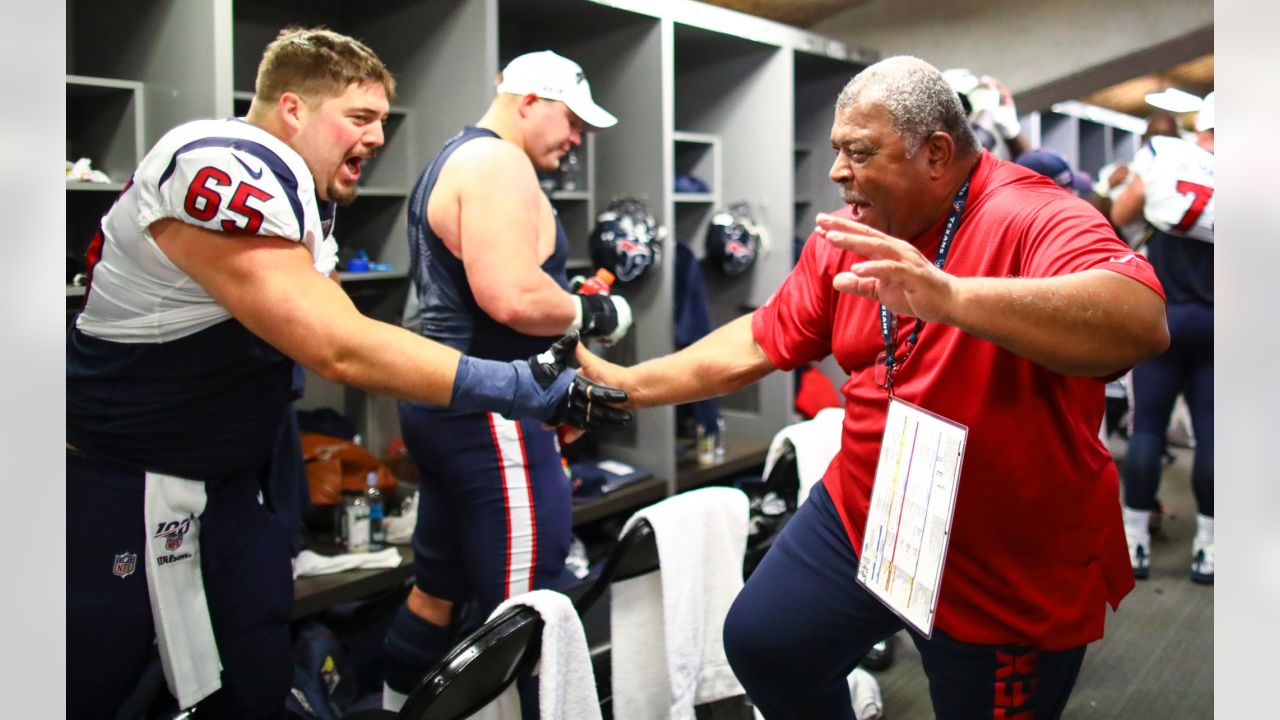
[
  {"x": 607, "y": 317},
  {"x": 583, "y": 404}
]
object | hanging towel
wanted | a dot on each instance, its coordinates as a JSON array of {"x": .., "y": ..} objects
[
  {"x": 566, "y": 682},
  {"x": 184, "y": 632},
  {"x": 667, "y": 627},
  {"x": 816, "y": 442},
  {"x": 638, "y": 653}
]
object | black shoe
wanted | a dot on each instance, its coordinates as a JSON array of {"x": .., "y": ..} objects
[{"x": 880, "y": 656}]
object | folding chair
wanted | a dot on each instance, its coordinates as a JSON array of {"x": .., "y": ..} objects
[
  {"x": 475, "y": 672},
  {"x": 783, "y": 482},
  {"x": 635, "y": 554}
]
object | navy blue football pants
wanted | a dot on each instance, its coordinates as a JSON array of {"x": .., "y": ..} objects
[
  {"x": 802, "y": 622},
  {"x": 494, "y": 520},
  {"x": 110, "y": 635},
  {"x": 1186, "y": 368}
]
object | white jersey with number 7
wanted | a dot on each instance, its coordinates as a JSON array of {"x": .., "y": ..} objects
[{"x": 1178, "y": 176}]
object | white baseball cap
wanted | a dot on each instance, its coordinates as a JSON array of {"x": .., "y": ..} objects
[
  {"x": 1204, "y": 119},
  {"x": 962, "y": 80},
  {"x": 554, "y": 77}
]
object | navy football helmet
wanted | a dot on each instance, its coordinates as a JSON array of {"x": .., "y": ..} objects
[
  {"x": 626, "y": 239},
  {"x": 734, "y": 239}
]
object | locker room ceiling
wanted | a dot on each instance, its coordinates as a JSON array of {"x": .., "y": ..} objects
[{"x": 1193, "y": 75}]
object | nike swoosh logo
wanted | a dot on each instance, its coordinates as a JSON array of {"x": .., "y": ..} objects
[{"x": 255, "y": 175}]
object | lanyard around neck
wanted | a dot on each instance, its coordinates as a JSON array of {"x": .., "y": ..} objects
[{"x": 889, "y": 320}]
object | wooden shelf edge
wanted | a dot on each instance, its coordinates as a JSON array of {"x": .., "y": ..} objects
[
  {"x": 683, "y": 136},
  {"x": 369, "y": 275},
  {"x": 383, "y": 191},
  {"x": 632, "y": 497},
  {"x": 694, "y": 198},
  {"x": 742, "y": 452},
  {"x": 84, "y": 186},
  {"x": 90, "y": 81}
]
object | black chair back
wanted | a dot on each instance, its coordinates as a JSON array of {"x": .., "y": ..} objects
[
  {"x": 635, "y": 554},
  {"x": 479, "y": 668},
  {"x": 784, "y": 481},
  {"x": 784, "y": 477}
]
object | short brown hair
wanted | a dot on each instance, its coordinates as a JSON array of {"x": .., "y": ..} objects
[{"x": 317, "y": 63}]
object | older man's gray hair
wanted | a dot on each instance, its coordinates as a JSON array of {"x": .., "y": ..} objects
[{"x": 919, "y": 101}]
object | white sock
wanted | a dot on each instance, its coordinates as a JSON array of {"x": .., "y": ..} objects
[
  {"x": 1137, "y": 523},
  {"x": 392, "y": 700},
  {"x": 1204, "y": 529}
]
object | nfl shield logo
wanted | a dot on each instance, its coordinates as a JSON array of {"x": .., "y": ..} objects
[
  {"x": 174, "y": 541},
  {"x": 124, "y": 564}
]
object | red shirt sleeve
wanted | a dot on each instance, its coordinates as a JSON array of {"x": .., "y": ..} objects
[
  {"x": 793, "y": 327},
  {"x": 1068, "y": 235}
]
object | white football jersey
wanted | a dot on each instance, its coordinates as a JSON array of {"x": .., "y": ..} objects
[
  {"x": 225, "y": 175},
  {"x": 1178, "y": 175}
]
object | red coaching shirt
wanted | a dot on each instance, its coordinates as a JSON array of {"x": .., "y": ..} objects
[{"x": 1037, "y": 544}]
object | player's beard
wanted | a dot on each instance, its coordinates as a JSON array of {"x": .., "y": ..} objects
[
  {"x": 338, "y": 190},
  {"x": 344, "y": 195}
]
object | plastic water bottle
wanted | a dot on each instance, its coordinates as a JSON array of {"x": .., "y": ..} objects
[
  {"x": 355, "y": 521},
  {"x": 570, "y": 172},
  {"x": 711, "y": 443},
  {"x": 598, "y": 284},
  {"x": 377, "y": 535},
  {"x": 708, "y": 441},
  {"x": 340, "y": 521}
]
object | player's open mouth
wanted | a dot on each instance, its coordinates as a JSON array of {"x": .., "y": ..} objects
[
  {"x": 859, "y": 209},
  {"x": 352, "y": 166}
]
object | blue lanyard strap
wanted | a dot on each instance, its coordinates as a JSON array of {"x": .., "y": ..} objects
[{"x": 889, "y": 321}]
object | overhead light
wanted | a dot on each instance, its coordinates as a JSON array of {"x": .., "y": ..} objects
[{"x": 1174, "y": 100}]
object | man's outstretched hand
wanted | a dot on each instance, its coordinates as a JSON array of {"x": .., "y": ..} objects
[
  {"x": 893, "y": 273},
  {"x": 585, "y": 405}
]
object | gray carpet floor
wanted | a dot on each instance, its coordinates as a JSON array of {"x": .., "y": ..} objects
[{"x": 1156, "y": 660}]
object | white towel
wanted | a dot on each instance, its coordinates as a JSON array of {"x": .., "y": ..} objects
[
  {"x": 638, "y": 654},
  {"x": 865, "y": 691},
  {"x": 702, "y": 537},
  {"x": 816, "y": 442},
  {"x": 184, "y": 632},
  {"x": 566, "y": 682},
  {"x": 308, "y": 563}
]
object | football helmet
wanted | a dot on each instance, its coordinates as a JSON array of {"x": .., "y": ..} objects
[
  {"x": 734, "y": 239},
  {"x": 626, "y": 240}
]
